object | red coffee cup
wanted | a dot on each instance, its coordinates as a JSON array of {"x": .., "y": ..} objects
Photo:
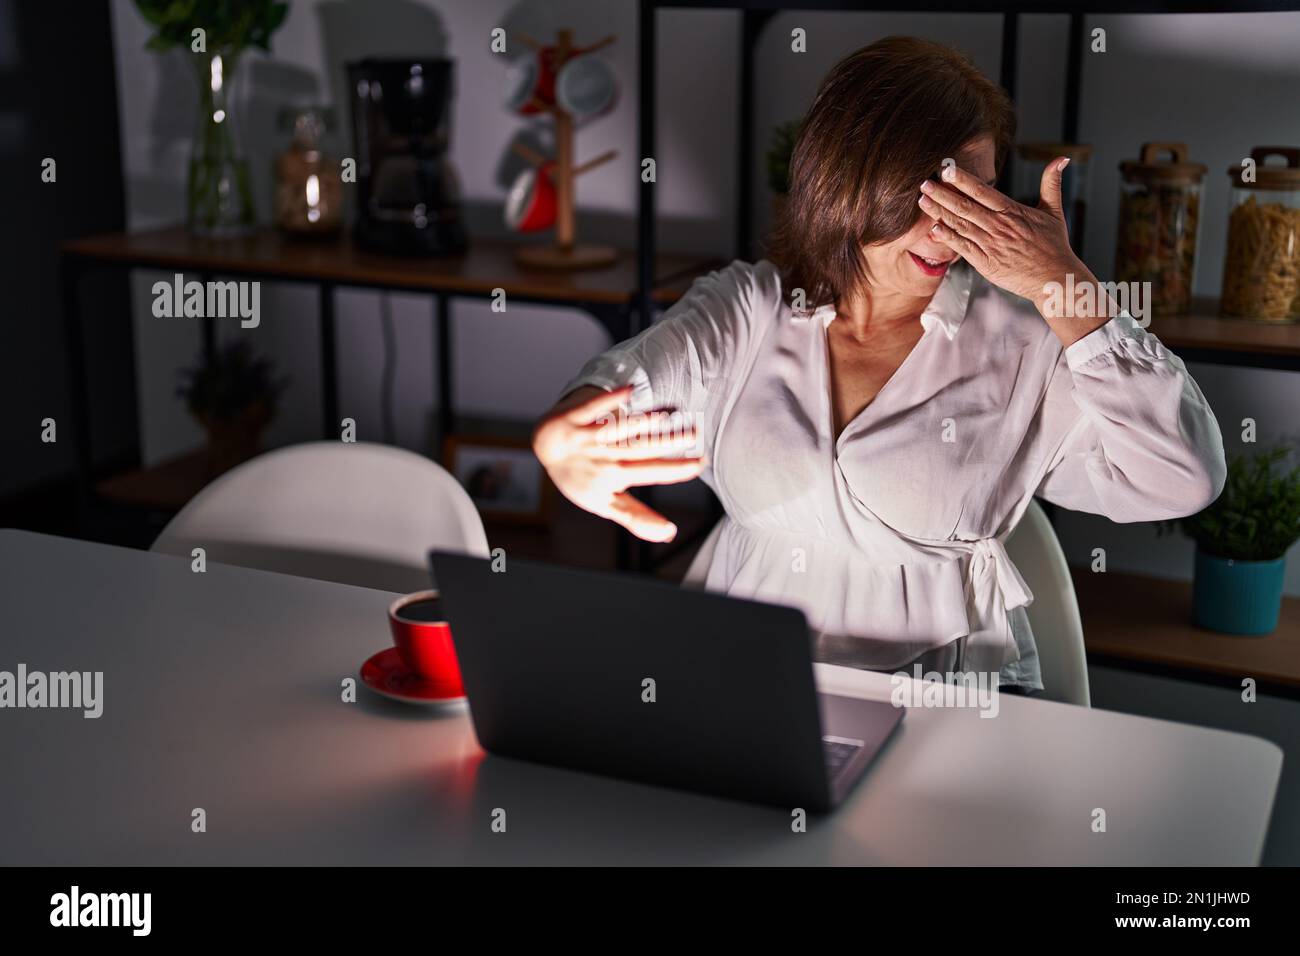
[
  {"x": 532, "y": 83},
  {"x": 424, "y": 639},
  {"x": 531, "y": 203}
]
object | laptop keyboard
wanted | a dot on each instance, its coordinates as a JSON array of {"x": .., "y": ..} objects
[{"x": 838, "y": 751}]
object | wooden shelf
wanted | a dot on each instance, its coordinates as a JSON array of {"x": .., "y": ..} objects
[
  {"x": 165, "y": 487},
  {"x": 488, "y": 265},
  {"x": 1206, "y": 330},
  {"x": 1148, "y": 621}
]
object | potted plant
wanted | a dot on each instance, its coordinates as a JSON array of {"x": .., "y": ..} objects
[
  {"x": 233, "y": 394},
  {"x": 1241, "y": 544},
  {"x": 219, "y": 199},
  {"x": 779, "y": 150}
]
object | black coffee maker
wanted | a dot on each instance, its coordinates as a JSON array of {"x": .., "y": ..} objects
[{"x": 401, "y": 119}]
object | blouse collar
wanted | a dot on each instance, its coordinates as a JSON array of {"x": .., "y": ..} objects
[{"x": 947, "y": 307}]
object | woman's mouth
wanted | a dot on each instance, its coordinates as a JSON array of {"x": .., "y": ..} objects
[{"x": 931, "y": 267}]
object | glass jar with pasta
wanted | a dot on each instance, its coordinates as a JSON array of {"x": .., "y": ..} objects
[
  {"x": 1261, "y": 272},
  {"x": 1159, "y": 220}
]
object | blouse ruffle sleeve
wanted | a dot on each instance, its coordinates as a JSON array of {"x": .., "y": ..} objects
[{"x": 1138, "y": 441}]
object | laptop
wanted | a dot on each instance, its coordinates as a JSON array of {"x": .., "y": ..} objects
[{"x": 640, "y": 679}]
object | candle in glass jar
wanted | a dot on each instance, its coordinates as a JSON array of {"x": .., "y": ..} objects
[{"x": 309, "y": 187}]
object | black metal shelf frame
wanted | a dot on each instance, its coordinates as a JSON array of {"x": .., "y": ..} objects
[
  {"x": 623, "y": 320},
  {"x": 617, "y": 319}
]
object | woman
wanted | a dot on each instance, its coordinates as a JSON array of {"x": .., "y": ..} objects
[{"x": 877, "y": 406}]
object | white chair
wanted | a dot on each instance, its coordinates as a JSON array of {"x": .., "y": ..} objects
[
  {"x": 1053, "y": 615},
  {"x": 353, "y": 513}
]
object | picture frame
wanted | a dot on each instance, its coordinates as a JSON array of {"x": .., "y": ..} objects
[{"x": 502, "y": 476}]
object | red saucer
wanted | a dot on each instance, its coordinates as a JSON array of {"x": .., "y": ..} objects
[{"x": 386, "y": 673}]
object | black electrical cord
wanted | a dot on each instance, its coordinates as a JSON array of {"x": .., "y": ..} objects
[{"x": 388, "y": 378}]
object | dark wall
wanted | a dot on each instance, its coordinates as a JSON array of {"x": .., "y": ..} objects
[{"x": 58, "y": 99}]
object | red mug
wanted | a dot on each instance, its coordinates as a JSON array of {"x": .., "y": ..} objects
[
  {"x": 532, "y": 83},
  {"x": 425, "y": 645},
  {"x": 531, "y": 203}
]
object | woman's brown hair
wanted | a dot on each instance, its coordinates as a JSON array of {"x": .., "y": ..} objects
[{"x": 884, "y": 119}]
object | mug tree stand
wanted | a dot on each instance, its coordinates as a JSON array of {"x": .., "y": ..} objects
[{"x": 565, "y": 252}]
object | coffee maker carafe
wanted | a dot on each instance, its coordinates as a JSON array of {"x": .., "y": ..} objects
[{"x": 401, "y": 118}]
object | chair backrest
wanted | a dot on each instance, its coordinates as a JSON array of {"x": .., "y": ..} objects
[
  {"x": 699, "y": 568},
  {"x": 1053, "y": 615},
  {"x": 355, "y": 513}
]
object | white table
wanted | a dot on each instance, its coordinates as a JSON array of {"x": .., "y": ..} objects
[{"x": 223, "y": 691}]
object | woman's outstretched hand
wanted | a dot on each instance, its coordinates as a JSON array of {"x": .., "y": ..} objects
[
  {"x": 594, "y": 453},
  {"x": 1024, "y": 250}
]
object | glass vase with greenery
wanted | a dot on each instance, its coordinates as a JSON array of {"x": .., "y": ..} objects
[{"x": 219, "y": 198}]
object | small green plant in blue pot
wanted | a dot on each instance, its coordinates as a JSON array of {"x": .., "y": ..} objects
[{"x": 1241, "y": 544}]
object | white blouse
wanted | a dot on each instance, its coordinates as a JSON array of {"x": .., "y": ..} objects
[{"x": 889, "y": 538}]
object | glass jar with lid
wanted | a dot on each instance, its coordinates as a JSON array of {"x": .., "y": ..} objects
[
  {"x": 308, "y": 178},
  {"x": 1261, "y": 271},
  {"x": 1032, "y": 159},
  {"x": 1159, "y": 221}
]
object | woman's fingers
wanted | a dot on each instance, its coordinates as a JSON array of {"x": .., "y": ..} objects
[
  {"x": 960, "y": 211},
  {"x": 648, "y": 446},
  {"x": 650, "y": 435},
  {"x": 1012, "y": 245},
  {"x": 620, "y": 428},
  {"x": 657, "y": 471},
  {"x": 597, "y": 406},
  {"x": 981, "y": 192},
  {"x": 963, "y": 246},
  {"x": 1049, "y": 190},
  {"x": 594, "y": 451},
  {"x": 640, "y": 519},
  {"x": 954, "y": 222}
]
